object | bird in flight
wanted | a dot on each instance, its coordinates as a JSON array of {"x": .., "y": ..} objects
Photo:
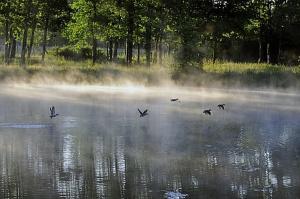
[
  {"x": 52, "y": 112},
  {"x": 144, "y": 113},
  {"x": 221, "y": 106},
  {"x": 207, "y": 112},
  {"x": 174, "y": 100}
]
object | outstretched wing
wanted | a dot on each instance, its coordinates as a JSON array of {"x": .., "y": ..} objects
[
  {"x": 145, "y": 111},
  {"x": 140, "y": 111}
]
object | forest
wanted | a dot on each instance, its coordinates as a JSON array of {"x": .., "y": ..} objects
[{"x": 181, "y": 33}]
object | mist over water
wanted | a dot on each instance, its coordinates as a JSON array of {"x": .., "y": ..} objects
[{"x": 99, "y": 147}]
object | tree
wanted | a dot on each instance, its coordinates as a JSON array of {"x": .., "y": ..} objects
[
  {"x": 83, "y": 28},
  {"x": 272, "y": 19},
  {"x": 113, "y": 20},
  {"x": 130, "y": 9},
  {"x": 8, "y": 18},
  {"x": 26, "y": 20},
  {"x": 270, "y": 26},
  {"x": 187, "y": 19},
  {"x": 54, "y": 14},
  {"x": 148, "y": 25},
  {"x": 5, "y": 10},
  {"x": 225, "y": 23}
]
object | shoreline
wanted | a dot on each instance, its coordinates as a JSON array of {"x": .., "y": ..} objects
[{"x": 113, "y": 75}]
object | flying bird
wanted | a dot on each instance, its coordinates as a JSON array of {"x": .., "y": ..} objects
[
  {"x": 52, "y": 112},
  {"x": 174, "y": 100},
  {"x": 207, "y": 112},
  {"x": 144, "y": 113},
  {"x": 221, "y": 106}
]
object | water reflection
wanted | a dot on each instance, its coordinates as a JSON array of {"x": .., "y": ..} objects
[{"x": 107, "y": 151}]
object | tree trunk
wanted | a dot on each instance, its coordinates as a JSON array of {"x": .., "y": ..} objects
[
  {"x": 279, "y": 52},
  {"x": 6, "y": 48},
  {"x": 214, "y": 52},
  {"x": 279, "y": 57},
  {"x": 125, "y": 50},
  {"x": 94, "y": 40},
  {"x": 24, "y": 45},
  {"x": 116, "y": 46},
  {"x": 148, "y": 43},
  {"x": 160, "y": 51},
  {"x": 138, "y": 53},
  {"x": 130, "y": 27},
  {"x": 13, "y": 48},
  {"x": 268, "y": 53},
  {"x": 155, "y": 52},
  {"x": 129, "y": 50},
  {"x": 25, "y": 34},
  {"x": 6, "y": 33},
  {"x": 94, "y": 50},
  {"x": 45, "y": 38},
  {"x": 259, "y": 51},
  {"x": 11, "y": 37},
  {"x": 110, "y": 49},
  {"x": 31, "y": 40},
  {"x": 107, "y": 51}
]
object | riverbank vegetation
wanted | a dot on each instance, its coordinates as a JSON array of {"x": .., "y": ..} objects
[{"x": 218, "y": 74}]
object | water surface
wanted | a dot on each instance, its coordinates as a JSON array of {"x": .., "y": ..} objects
[{"x": 99, "y": 147}]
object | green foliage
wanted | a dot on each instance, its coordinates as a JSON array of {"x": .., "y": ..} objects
[
  {"x": 81, "y": 26},
  {"x": 247, "y": 30},
  {"x": 71, "y": 53}
]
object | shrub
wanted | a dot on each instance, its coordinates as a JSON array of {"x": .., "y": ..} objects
[{"x": 70, "y": 53}]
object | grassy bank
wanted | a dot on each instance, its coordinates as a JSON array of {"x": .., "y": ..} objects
[
  {"x": 253, "y": 74},
  {"x": 219, "y": 74},
  {"x": 83, "y": 72},
  {"x": 232, "y": 67}
]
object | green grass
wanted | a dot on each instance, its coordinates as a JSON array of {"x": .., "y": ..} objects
[
  {"x": 66, "y": 71},
  {"x": 252, "y": 74},
  {"x": 232, "y": 67},
  {"x": 219, "y": 74}
]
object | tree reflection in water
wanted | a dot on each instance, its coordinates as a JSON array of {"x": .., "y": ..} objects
[{"x": 103, "y": 154}]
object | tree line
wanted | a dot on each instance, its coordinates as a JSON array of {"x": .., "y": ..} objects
[{"x": 239, "y": 30}]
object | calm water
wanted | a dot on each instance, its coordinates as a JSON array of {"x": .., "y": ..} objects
[{"x": 99, "y": 147}]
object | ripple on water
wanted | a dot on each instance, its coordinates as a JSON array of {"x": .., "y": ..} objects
[
  {"x": 69, "y": 122},
  {"x": 24, "y": 125},
  {"x": 175, "y": 195}
]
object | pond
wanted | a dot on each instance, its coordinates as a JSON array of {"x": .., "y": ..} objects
[{"x": 99, "y": 146}]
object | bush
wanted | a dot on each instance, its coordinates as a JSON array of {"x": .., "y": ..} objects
[{"x": 70, "y": 53}]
